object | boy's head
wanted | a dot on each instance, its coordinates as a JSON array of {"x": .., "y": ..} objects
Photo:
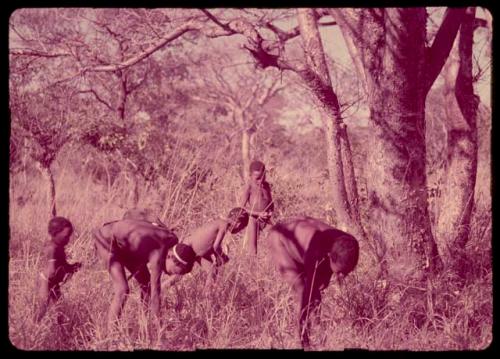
[
  {"x": 257, "y": 171},
  {"x": 60, "y": 229},
  {"x": 344, "y": 255},
  {"x": 238, "y": 219},
  {"x": 180, "y": 259}
]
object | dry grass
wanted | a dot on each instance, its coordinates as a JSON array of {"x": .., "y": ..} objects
[{"x": 248, "y": 307}]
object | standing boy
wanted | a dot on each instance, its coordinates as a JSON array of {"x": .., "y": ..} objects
[
  {"x": 133, "y": 244},
  {"x": 257, "y": 200},
  {"x": 307, "y": 252},
  {"x": 57, "y": 269}
]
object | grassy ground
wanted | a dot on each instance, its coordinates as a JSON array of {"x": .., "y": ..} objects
[{"x": 248, "y": 307}]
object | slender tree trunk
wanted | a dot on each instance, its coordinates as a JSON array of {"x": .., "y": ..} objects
[
  {"x": 122, "y": 100},
  {"x": 51, "y": 188},
  {"x": 457, "y": 198},
  {"x": 317, "y": 77},
  {"x": 134, "y": 192},
  {"x": 339, "y": 156},
  {"x": 245, "y": 152},
  {"x": 239, "y": 117}
]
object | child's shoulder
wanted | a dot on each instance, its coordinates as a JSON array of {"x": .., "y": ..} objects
[
  {"x": 49, "y": 249},
  {"x": 53, "y": 251},
  {"x": 216, "y": 222}
]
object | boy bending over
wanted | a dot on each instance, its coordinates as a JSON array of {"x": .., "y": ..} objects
[{"x": 307, "y": 252}]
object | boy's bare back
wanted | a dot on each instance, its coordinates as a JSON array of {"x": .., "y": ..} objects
[
  {"x": 138, "y": 239},
  {"x": 202, "y": 239}
]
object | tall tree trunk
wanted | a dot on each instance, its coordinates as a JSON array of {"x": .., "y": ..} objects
[
  {"x": 457, "y": 198},
  {"x": 317, "y": 78},
  {"x": 399, "y": 195},
  {"x": 339, "y": 156},
  {"x": 391, "y": 45},
  {"x": 239, "y": 117}
]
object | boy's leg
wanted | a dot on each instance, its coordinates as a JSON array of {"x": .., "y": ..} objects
[
  {"x": 43, "y": 297},
  {"x": 121, "y": 291},
  {"x": 317, "y": 278},
  {"x": 292, "y": 273},
  {"x": 120, "y": 285},
  {"x": 142, "y": 276},
  {"x": 209, "y": 267}
]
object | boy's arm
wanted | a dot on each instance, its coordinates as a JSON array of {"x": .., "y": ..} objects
[
  {"x": 50, "y": 269},
  {"x": 45, "y": 276},
  {"x": 270, "y": 207},
  {"x": 220, "y": 236},
  {"x": 245, "y": 195},
  {"x": 70, "y": 269},
  {"x": 172, "y": 279},
  {"x": 220, "y": 256}
]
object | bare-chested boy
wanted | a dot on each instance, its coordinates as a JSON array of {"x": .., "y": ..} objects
[
  {"x": 133, "y": 244},
  {"x": 257, "y": 200},
  {"x": 307, "y": 252},
  {"x": 204, "y": 244},
  {"x": 57, "y": 269}
]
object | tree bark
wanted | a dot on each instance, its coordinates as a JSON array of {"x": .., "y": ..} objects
[
  {"x": 316, "y": 76},
  {"x": 239, "y": 118},
  {"x": 245, "y": 152},
  {"x": 457, "y": 198},
  {"x": 51, "y": 188},
  {"x": 376, "y": 246},
  {"x": 133, "y": 198},
  {"x": 340, "y": 166},
  {"x": 391, "y": 44}
]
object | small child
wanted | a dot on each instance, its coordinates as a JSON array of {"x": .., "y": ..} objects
[
  {"x": 258, "y": 201},
  {"x": 57, "y": 269},
  {"x": 204, "y": 245}
]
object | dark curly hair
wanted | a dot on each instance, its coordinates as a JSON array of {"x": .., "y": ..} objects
[
  {"x": 183, "y": 257},
  {"x": 345, "y": 253},
  {"x": 57, "y": 224}
]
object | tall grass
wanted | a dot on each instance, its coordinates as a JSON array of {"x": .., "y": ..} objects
[{"x": 248, "y": 306}]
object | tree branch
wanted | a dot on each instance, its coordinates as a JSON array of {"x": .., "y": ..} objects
[
  {"x": 254, "y": 42},
  {"x": 283, "y": 36},
  {"x": 135, "y": 86},
  {"x": 181, "y": 30},
  {"x": 225, "y": 27},
  {"x": 93, "y": 92},
  {"x": 356, "y": 58},
  {"x": 269, "y": 92},
  {"x": 442, "y": 44},
  {"x": 29, "y": 52}
]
